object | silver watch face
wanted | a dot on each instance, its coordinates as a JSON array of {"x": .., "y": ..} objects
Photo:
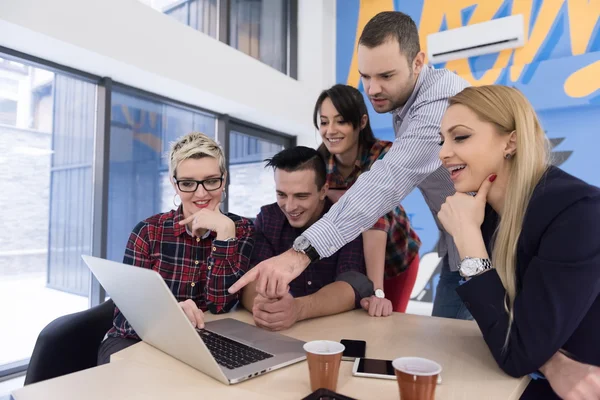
[
  {"x": 301, "y": 243},
  {"x": 469, "y": 267},
  {"x": 473, "y": 266}
]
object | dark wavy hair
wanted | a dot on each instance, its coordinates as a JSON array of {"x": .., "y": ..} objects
[{"x": 350, "y": 104}]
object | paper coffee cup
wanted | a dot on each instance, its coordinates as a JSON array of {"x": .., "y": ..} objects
[
  {"x": 416, "y": 377},
  {"x": 324, "y": 358}
]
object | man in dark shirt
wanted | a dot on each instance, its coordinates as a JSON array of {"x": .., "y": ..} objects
[{"x": 328, "y": 286}]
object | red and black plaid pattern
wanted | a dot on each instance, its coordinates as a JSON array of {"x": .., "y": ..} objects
[
  {"x": 201, "y": 269},
  {"x": 274, "y": 235},
  {"x": 403, "y": 243}
]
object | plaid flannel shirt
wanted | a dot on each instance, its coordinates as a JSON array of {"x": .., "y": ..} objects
[
  {"x": 274, "y": 235},
  {"x": 403, "y": 243},
  {"x": 201, "y": 269}
]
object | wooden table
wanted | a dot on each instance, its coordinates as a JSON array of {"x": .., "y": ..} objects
[{"x": 143, "y": 372}]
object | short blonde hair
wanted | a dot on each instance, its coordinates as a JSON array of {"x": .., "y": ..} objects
[{"x": 195, "y": 145}]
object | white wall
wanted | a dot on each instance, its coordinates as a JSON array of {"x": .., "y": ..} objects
[{"x": 136, "y": 45}]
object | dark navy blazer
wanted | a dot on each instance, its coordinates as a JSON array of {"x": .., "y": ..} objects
[{"x": 557, "y": 305}]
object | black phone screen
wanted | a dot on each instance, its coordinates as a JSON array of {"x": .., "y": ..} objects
[
  {"x": 354, "y": 348},
  {"x": 378, "y": 367}
]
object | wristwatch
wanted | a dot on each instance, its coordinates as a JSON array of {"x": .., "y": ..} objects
[
  {"x": 302, "y": 245},
  {"x": 470, "y": 267},
  {"x": 379, "y": 294}
]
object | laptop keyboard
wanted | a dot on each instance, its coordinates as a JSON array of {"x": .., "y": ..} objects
[{"x": 229, "y": 353}]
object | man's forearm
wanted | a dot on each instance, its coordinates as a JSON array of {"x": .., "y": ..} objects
[{"x": 332, "y": 299}]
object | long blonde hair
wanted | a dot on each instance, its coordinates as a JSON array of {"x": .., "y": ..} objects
[{"x": 508, "y": 110}]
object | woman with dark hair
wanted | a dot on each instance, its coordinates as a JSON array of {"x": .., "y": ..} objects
[{"x": 349, "y": 148}]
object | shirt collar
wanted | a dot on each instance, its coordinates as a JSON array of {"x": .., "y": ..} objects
[
  {"x": 363, "y": 154},
  {"x": 400, "y": 112},
  {"x": 178, "y": 230}
]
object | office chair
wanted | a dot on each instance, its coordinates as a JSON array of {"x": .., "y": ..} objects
[{"x": 70, "y": 343}]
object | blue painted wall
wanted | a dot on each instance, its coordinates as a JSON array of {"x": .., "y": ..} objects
[{"x": 558, "y": 70}]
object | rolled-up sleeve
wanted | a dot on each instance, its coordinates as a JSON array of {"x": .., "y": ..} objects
[
  {"x": 351, "y": 269},
  {"x": 228, "y": 261}
]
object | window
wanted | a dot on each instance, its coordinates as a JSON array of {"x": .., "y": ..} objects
[
  {"x": 64, "y": 196},
  {"x": 263, "y": 29},
  {"x": 251, "y": 185},
  {"x": 8, "y": 112},
  {"x": 46, "y": 154},
  {"x": 259, "y": 28},
  {"x": 141, "y": 131},
  {"x": 201, "y": 15}
]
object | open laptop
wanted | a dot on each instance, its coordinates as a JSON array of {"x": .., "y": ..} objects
[{"x": 228, "y": 350}]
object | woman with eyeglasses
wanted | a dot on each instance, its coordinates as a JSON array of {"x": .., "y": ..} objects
[{"x": 198, "y": 250}]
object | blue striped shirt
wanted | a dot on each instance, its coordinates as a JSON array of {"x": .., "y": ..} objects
[{"x": 413, "y": 161}]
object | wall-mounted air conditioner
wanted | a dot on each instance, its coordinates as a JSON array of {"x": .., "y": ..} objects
[{"x": 477, "y": 39}]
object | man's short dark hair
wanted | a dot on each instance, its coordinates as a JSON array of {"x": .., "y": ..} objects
[
  {"x": 300, "y": 158},
  {"x": 393, "y": 25}
]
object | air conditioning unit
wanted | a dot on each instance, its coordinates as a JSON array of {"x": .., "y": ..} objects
[{"x": 477, "y": 39}]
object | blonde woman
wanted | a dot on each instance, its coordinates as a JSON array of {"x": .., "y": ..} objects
[
  {"x": 198, "y": 250},
  {"x": 532, "y": 269}
]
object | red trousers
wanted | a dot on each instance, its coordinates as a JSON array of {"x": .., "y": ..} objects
[{"x": 399, "y": 288}]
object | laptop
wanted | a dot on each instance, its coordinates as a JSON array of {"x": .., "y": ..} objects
[{"x": 227, "y": 350}]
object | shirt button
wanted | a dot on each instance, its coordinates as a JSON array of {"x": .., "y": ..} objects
[
  {"x": 309, "y": 282},
  {"x": 196, "y": 262},
  {"x": 209, "y": 267},
  {"x": 193, "y": 284},
  {"x": 197, "y": 239},
  {"x": 332, "y": 249},
  {"x": 214, "y": 249}
]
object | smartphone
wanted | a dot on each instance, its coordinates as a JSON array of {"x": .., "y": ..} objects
[
  {"x": 374, "y": 368},
  {"x": 354, "y": 349}
]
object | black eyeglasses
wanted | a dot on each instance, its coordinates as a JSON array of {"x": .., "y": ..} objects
[{"x": 190, "y": 185}]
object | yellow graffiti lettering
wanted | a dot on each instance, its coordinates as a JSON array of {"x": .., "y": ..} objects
[
  {"x": 525, "y": 55},
  {"x": 368, "y": 9},
  {"x": 153, "y": 118},
  {"x": 584, "y": 81},
  {"x": 150, "y": 140},
  {"x": 583, "y": 16},
  {"x": 433, "y": 13},
  {"x": 431, "y": 19}
]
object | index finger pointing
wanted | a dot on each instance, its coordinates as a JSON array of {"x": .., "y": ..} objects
[{"x": 248, "y": 277}]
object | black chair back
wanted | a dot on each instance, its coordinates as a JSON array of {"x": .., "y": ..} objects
[{"x": 70, "y": 343}]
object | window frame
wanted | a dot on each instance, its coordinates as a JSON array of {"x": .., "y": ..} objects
[{"x": 100, "y": 169}]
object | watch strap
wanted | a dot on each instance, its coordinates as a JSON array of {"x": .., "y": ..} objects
[
  {"x": 483, "y": 264},
  {"x": 312, "y": 254}
]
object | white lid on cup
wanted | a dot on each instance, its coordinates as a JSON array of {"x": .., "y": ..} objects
[
  {"x": 324, "y": 347},
  {"x": 417, "y": 366}
]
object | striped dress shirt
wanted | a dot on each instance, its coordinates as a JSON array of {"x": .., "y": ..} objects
[{"x": 413, "y": 161}]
